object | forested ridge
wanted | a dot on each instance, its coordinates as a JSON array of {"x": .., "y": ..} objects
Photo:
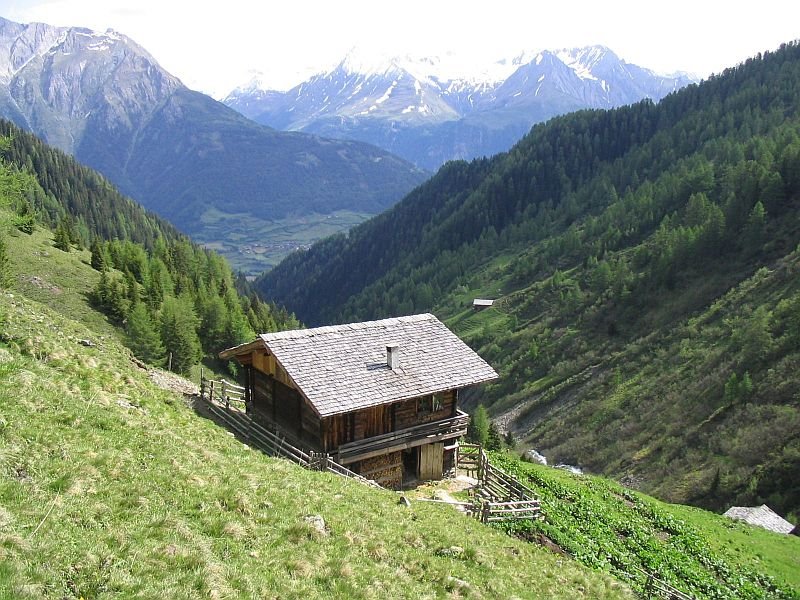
[
  {"x": 175, "y": 301},
  {"x": 67, "y": 188},
  {"x": 645, "y": 266}
]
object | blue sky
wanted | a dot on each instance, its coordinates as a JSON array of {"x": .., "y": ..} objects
[{"x": 215, "y": 46}]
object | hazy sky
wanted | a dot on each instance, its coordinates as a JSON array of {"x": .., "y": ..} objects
[{"x": 213, "y": 46}]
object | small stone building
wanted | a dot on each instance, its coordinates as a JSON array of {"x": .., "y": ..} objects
[{"x": 381, "y": 397}]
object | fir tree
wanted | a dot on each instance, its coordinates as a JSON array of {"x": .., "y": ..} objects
[
  {"x": 478, "y": 428},
  {"x": 143, "y": 339},
  {"x": 100, "y": 260},
  {"x": 179, "y": 333},
  {"x": 6, "y": 277},
  {"x": 61, "y": 238},
  {"x": 494, "y": 441}
]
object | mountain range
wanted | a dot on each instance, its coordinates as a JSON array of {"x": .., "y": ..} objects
[
  {"x": 643, "y": 263},
  {"x": 428, "y": 110},
  {"x": 104, "y": 99}
]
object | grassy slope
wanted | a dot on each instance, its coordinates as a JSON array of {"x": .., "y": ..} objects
[
  {"x": 648, "y": 390},
  {"x": 618, "y": 530},
  {"x": 63, "y": 281},
  {"x": 112, "y": 487}
]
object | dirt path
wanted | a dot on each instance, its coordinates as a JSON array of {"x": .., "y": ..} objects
[{"x": 169, "y": 381}]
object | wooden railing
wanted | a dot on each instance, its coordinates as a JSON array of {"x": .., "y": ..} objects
[
  {"x": 499, "y": 497},
  {"x": 426, "y": 433},
  {"x": 655, "y": 588},
  {"x": 222, "y": 391},
  {"x": 261, "y": 437}
]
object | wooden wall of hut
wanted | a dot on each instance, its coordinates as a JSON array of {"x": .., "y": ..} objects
[
  {"x": 275, "y": 403},
  {"x": 377, "y": 420},
  {"x": 425, "y": 409}
]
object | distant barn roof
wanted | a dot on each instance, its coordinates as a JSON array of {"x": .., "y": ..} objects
[
  {"x": 763, "y": 516},
  {"x": 343, "y": 368},
  {"x": 482, "y": 302}
]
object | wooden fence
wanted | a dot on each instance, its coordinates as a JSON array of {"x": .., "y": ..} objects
[
  {"x": 222, "y": 397},
  {"x": 500, "y": 497},
  {"x": 655, "y": 588},
  {"x": 223, "y": 391}
]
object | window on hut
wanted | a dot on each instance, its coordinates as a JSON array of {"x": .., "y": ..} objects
[{"x": 429, "y": 404}]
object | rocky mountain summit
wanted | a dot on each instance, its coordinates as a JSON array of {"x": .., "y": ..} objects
[
  {"x": 430, "y": 110},
  {"x": 106, "y": 100}
]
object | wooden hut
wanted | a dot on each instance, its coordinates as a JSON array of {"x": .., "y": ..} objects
[
  {"x": 479, "y": 304},
  {"x": 380, "y": 396}
]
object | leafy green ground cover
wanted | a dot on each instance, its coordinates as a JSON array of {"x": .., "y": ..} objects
[
  {"x": 614, "y": 529},
  {"x": 111, "y": 487}
]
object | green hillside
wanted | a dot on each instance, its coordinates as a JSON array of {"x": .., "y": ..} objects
[
  {"x": 614, "y": 529},
  {"x": 645, "y": 269},
  {"x": 178, "y": 303},
  {"x": 61, "y": 187},
  {"x": 112, "y": 487}
]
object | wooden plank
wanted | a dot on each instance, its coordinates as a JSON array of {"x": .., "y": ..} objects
[{"x": 430, "y": 461}]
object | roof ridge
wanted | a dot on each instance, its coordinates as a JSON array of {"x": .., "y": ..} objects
[{"x": 327, "y": 329}]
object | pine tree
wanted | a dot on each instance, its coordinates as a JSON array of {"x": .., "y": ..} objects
[
  {"x": 61, "y": 238},
  {"x": 179, "y": 333},
  {"x": 494, "y": 440},
  {"x": 100, "y": 260},
  {"x": 6, "y": 278},
  {"x": 143, "y": 339},
  {"x": 755, "y": 229},
  {"x": 478, "y": 428}
]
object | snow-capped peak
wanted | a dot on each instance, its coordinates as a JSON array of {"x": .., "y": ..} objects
[
  {"x": 358, "y": 61},
  {"x": 583, "y": 60},
  {"x": 256, "y": 83},
  {"x": 442, "y": 68}
]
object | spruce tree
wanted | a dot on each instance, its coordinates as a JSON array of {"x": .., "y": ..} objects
[
  {"x": 6, "y": 277},
  {"x": 61, "y": 238},
  {"x": 179, "y": 333},
  {"x": 143, "y": 338},
  {"x": 494, "y": 441},
  {"x": 100, "y": 260},
  {"x": 478, "y": 428}
]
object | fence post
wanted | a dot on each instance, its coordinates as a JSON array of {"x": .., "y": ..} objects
[
  {"x": 202, "y": 384},
  {"x": 485, "y": 512},
  {"x": 225, "y": 394},
  {"x": 648, "y": 586},
  {"x": 211, "y": 393}
]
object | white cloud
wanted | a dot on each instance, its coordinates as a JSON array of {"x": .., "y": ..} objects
[{"x": 214, "y": 47}]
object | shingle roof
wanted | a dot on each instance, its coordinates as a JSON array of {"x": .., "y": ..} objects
[
  {"x": 343, "y": 367},
  {"x": 763, "y": 516}
]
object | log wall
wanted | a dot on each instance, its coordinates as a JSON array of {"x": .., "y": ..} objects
[
  {"x": 379, "y": 420},
  {"x": 419, "y": 410},
  {"x": 275, "y": 403}
]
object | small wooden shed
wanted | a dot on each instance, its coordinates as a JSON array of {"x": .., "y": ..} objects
[
  {"x": 481, "y": 304},
  {"x": 380, "y": 396}
]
